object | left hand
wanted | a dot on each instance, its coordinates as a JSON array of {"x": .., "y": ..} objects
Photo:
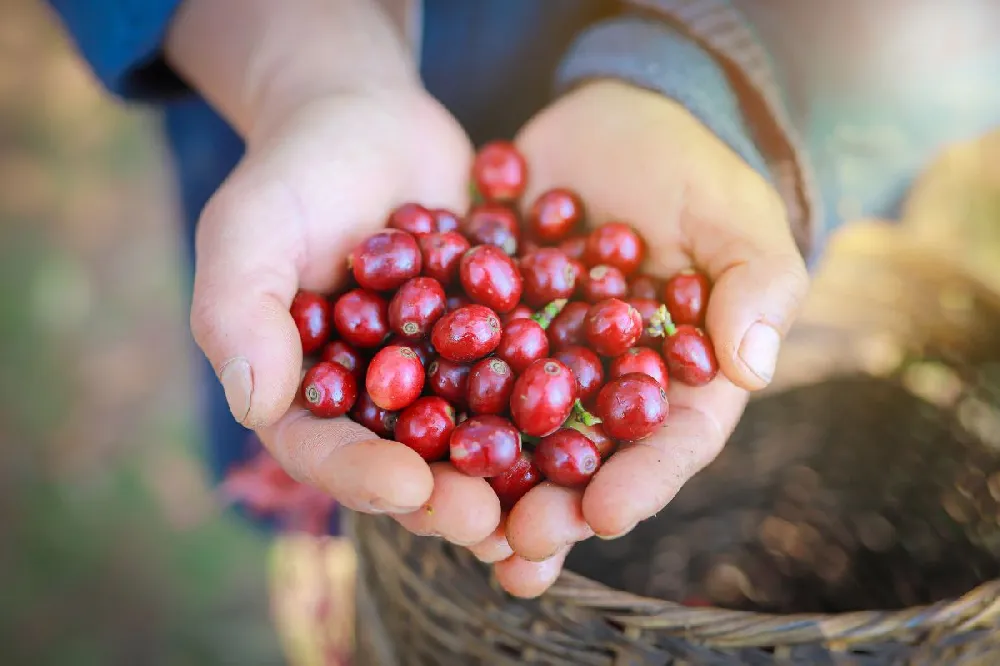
[{"x": 638, "y": 157}]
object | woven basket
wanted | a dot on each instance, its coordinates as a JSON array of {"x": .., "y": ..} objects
[{"x": 852, "y": 518}]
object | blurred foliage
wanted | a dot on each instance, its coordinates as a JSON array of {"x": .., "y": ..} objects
[{"x": 112, "y": 550}]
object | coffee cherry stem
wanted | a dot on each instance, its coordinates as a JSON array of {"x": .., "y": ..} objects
[
  {"x": 545, "y": 316},
  {"x": 661, "y": 325},
  {"x": 529, "y": 440},
  {"x": 581, "y": 415}
]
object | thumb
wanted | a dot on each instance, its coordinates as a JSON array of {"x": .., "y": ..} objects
[
  {"x": 243, "y": 288},
  {"x": 759, "y": 283}
]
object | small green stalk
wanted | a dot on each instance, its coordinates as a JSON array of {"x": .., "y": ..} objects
[
  {"x": 545, "y": 316},
  {"x": 661, "y": 325},
  {"x": 581, "y": 414}
]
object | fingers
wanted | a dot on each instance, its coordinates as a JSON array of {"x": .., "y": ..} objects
[
  {"x": 493, "y": 548},
  {"x": 545, "y": 520},
  {"x": 462, "y": 509},
  {"x": 641, "y": 478},
  {"x": 527, "y": 580},
  {"x": 346, "y": 460}
]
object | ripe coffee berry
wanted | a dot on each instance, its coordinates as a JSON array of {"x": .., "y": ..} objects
[
  {"x": 586, "y": 368},
  {"x": 602, "y": 282},
  {"x": 568, "y": 327},
  {"x": 361, "y": 318},
  {"x": 686, "y": 296},
  {"x": 554, "y": 215},
  {"x": 513, "y": 484},
  {"x": 643, "y": 287},
  {"x": 466, "y": 334},
  {"x": 615, "y": 244},
  {"x": 494, "y": 225},
  {"x": 445, "y": 220},
  {"x": 329, "y": 390},
  {"x": 690, "y": 357},
  {"x": 395, "y": 378},
  {"x": 490, "y": 384},
  {"x": 612, "y": 327},
  {"x": 567, "y": 458},
  {"x": 574, "y": 247},
  {"x": 412, "y": 218},
  {"x": 490, "y": 278},
  {"x": 484, "y": 445},
  {"x": 449, "y": 380},
  {"x": 386, "y": 260},
  {"x": 416, "y": 306},
  {"x": 631, "y": 407},
  {"x": 422, "y": 348},
  {"x": 499, "y": 172},
  {"x": 519, "y": 312},
  {"x": 543, "y": 397},
  {"x": 548, "y": 274},
  {"x": 441, "y": 254},
  {"x": 380, "y": 421},
  {"x": 595, "y": 433},
  {"x": 456, "y": 301},
  {"x": 311, "y": 314},
  {"x": 426, "y": 427},
  {"x": 340, "y": 352},
  {"x": 640, "y": 359},
  {"x": 648, "y": 311},
  {"x": 522, "y": 343}
]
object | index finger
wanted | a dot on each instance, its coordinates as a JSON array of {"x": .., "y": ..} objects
[{"x": 641, "y": 478}]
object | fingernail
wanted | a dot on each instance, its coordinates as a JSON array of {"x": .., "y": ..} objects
[
  {"x": 609, "y": 537},
  {"x": 237, "y": 382},
  {"x": 759, "y": 350},
  {"x": 379, "y": 505}
]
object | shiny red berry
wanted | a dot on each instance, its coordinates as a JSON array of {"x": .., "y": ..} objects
[
  {"x": 449, "y": 380},
  {"x": 490, "y": 278},
  {"x": 441, "y": 254},
  {"x": 602, "y": 282},
  {"x": 386, "y": 260},
  {"x": 631, "y": 407},
  {"x": 380, "y": 421},
  {"x": 640, "y": 359},
  {"x": 526, "y": 247},
  {"x": 499, "y": 171},
  {"x": 567, "y": 458},
  {"x": 612, "y": 327},
  {"x": 643, "y": 287},
  {"x": 395, "y": 378},
  {"x": 484, "y": 445},
  {"x": 490, "y": 383},
  {"x": 446, "y": 220},
  {"x": 361, "y": 318},
  {"x": 686, "y": 296},
  {"x": 412, "y": 218},
  {"x": 422, "y": 348},
  {"x": 568, "y": 327},
  {"x": 690, "y": 356},
  {"x": 456, "y": 301},
  {"x": 543, "y": 397},
  {"x": 574, "y": 247},
  {"x": 523, "y": 342},
  {"x": 426, "y": 427},
  {"x": 648, "y": 310},
  {"x": 512, "y": 485},
  {"x": 548, "y": 274},
  {"x": 519, "y": 312},
  {"x": 311, "y": 314},
  {"x": 595, "y": 433},
  {"x": 586, "y": 368},
  {"x": 492, "y": 224},
  {"x": 466, "y": 334},
  {"x": 329, "y": 390},
  {"x": 415, "y": 307},
  {"x": 554, "y": 215},
  {"x": 340, "y": 352},
  {"x": 615, "y": 244}
]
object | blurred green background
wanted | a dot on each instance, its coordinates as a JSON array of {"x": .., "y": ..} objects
[{"x": 112, "y": 550}]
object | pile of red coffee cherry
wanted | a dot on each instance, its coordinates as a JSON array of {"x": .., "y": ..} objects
[{"x": 519, "y": 348}]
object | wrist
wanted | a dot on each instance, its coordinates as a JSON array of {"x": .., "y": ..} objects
[{"x": 257, "y": 65}]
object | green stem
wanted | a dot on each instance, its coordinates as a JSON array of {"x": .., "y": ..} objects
[
  {"x": 545, "y": 316},
  {"x": 581, "y": 414},
  {"x": 661, "y": 325}
]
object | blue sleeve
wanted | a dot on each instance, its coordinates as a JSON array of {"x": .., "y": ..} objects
[
  {"x": 122, "y": 42},
  {"x": 650, "y": 54}
]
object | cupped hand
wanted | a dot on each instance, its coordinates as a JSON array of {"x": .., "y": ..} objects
[
  {"x": 638, "y": 157},
  {"x": 312, "y": 185}
]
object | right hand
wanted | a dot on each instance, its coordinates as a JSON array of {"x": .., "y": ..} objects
[{"x": 313, "y": 183}]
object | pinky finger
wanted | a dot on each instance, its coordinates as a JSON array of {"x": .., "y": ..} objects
[
  {"x": 493, "y": 548},
  {"x": 525, "y": 579}
]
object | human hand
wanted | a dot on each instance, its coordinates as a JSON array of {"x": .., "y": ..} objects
[{"x": 638, "y": 157}]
